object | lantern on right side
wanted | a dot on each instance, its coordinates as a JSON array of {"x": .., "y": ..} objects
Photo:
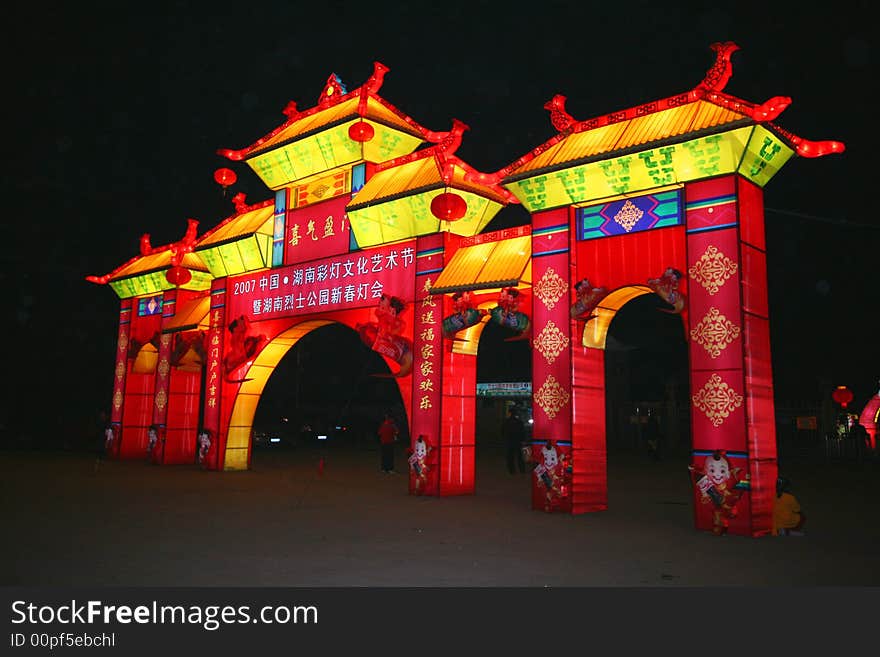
[{"x": 842, "y": 395}]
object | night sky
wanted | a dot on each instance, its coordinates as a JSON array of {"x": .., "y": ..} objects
[{"x": 115, "y": 115}]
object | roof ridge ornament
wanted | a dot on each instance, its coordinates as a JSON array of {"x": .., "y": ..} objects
[
  {"x": 182, "y": 246},
  {"x": 374, "y": 82},
  {"x": 333, "y": 91},
  {"x": 717, "y": 77},
  {"x": 447, "y": 142},
  {"x": 290, "y": 110},
  {"x": 560, "y": 119},
  {"x": 239, "y": 201}
]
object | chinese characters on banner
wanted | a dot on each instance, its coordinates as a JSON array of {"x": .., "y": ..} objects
[
  {"x": 427, "y": 341},
  {"x": 428, "y": 345},
  {"x": 343, "y": 282},
  {"x": 317, "y": 231},
  {"x": 213, "y": 376}
]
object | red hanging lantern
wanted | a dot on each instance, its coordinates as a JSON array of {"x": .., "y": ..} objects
[
  {"x": 361, "y": 131},
  {"x": 225, "y": 177},
  {"x": 842, "y": 395},
  {"x": 448, "y": 206},
  {"x": 178, "y": 275}
]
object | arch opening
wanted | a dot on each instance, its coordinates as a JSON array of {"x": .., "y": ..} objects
[
  {"x": 314, "y": 360},
  {"x": 647, "y": 380}
]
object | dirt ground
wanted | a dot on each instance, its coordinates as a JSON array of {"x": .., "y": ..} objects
[{"x": 282, "y": 524}]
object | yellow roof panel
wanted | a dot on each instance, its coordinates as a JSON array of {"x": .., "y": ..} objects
[
  {"x": 418, "y": 174},
  {"x": 190, "y": 314},
  {"x": 154, "y": 262},
  {"x": 485, "y": 266},
  {"x": 253, "y": 221},
  {"x": 656, "y": 126},
  {"x": 347, "y": 108},
  {"x": 300, "y": 126}
]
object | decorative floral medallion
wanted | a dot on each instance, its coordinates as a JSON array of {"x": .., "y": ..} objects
[
  {"x": 120, "y": 370},
  {"x": 712, "y": 269},
  {"x": 551, "y": 397},
  {"x": 117, "y": 400},
  {"x": 715, "y": 332},
  {"x": 717, "y": 400},
  {"x": 550, "y": 342},
  {"x": 166, "y": 339},
  {"x": 123, "y": 341},
  {"x": 550, "y": 288},
  {"x": 628, "y": 216},
  {"x": 161, "y": 399},
  {"x": 164, "y": 366}
]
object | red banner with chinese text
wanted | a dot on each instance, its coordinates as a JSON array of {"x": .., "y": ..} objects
[{"x": 317, "y": 231}]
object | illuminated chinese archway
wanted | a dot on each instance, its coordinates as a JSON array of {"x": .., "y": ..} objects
[{"x": 377, "y": 224}]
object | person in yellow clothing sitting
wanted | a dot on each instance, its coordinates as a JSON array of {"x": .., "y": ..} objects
[{"x": 788, "y": 519}]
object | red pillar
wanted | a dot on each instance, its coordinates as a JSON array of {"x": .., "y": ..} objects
[
  {"x": 552, "y": 430},
  {"x": 731, "y": 379},
  {"x": 120, "y": 370},
  {"x": 427, "y": 373},
  {"x": 163, "y": 376},
  {"x": 214, "y": 376}
]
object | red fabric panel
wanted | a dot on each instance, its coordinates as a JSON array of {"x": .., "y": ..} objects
[
  {"x": 137, "y": 415},
  {"x": 457, "y": 424},
  {"x": 615, "y": 262},
  {"x": 143, "y": 329},
  {"x": 458, "y": 421},
  {"x": 456, "y": 470},
  {"x": 762, "y": 495},
  {"x": 590, "y": 476},
  {"x": 760, "y": 408},
  {"x": 751, "y": 213},
  {"x": 708, "y": 189},
  {"x": 754, "y": 281},
  {"x": 183, "y": 417},
  {"x": 589, "y": 481},
  {"x": 588, "y": 399},
  {"x": 548, "y": 218}
]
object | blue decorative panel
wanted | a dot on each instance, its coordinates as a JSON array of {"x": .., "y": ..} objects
[
  {"x": 150, "y": 306},
  {"x": 630, "y": 215}
]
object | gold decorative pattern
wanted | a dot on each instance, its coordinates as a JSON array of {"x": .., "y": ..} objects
[
  {"x": 550, "y": 342},
  {"x": 123, "y": 341},
  {"x": 164, "y": 366},
  {"x": 550, "y": 288},
  {"x": 166, "y": 339},
  {"x": 712, "y": 269},
  {"x": 717, "y": 400},
  {"x": 120, "y": 370},
  {"x": 161, "y": 400},
  {"x": 117, "y": 400},
  {"x": 628, "y": 216},
  {"x": 551, "y": 396},
  {"x": 715, "y": 332}
]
